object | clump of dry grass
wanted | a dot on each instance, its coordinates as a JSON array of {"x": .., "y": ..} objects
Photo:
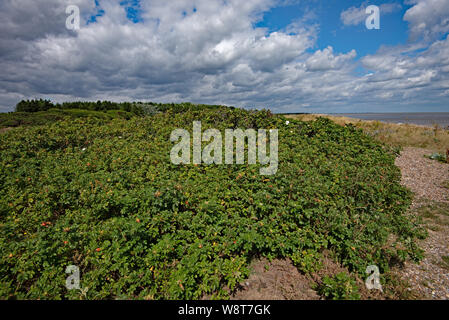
[
  {"x": 444, "y": 262},
  {"x": 435, "y": 212},
  {"x": 403, "y": 135}
]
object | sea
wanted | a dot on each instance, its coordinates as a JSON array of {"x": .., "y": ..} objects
[{"x": 421, "y": 118}]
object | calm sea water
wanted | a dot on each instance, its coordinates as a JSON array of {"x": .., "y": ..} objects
[{"x": 422, "y": 118}]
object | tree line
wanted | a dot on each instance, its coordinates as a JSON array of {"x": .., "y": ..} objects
[{"x": 137, "y": 108}]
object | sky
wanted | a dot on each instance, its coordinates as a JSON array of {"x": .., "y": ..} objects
[{"x": 285, "y": 55}]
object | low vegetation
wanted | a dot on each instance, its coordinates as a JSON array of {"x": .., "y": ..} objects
[
  {"x": 104, "y": 196},
  {"x": 18, "y": 119},
  {"x": 435, "y": 212},
  {"x": 445, "y": 262},
  {"x": 42, "y": 112},
  {"x": 397, "y": 135},
  {"x": 339, "y": 287}
]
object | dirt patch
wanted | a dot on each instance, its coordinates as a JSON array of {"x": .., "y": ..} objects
[
  {"x": 276, "y": 280},
  {"x": 281, "y": 280}
]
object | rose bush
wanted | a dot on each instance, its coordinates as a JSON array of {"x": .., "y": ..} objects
[{"x": 105, "y": 197}]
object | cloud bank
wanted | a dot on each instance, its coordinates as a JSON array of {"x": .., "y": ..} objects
[{"x": 210, "y": 51}]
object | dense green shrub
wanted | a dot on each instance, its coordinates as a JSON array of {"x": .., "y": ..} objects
[
  {"x": 105, "y": 197},
  {"x": 339, "y": 287},
  {"x": 17, "y": 119}
]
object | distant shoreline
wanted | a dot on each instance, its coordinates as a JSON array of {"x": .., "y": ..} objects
[{"x": 428, "y": 119}]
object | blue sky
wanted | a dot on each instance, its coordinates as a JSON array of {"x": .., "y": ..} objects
[
  {"x": 285, "y": 55},
  {"x": 333, "y": 32},
  {"x": 326, "y": 14},
  {"x": 131, "y": 7}
]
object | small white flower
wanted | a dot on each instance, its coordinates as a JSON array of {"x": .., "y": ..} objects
[
  {"x": 287, "y": 122},
  {"x": 84, "y": 149}
]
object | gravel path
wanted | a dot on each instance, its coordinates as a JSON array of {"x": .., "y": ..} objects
[
  {"x": 425, "y": 177},
  {"x": 428, "y": 180}
]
